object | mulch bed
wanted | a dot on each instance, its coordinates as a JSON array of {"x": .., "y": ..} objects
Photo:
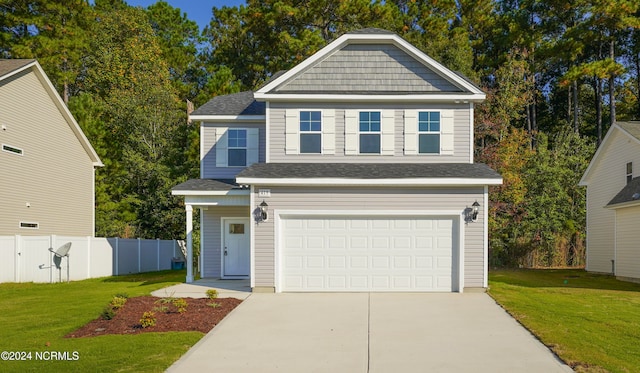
[{"x": 199, "y": 316}]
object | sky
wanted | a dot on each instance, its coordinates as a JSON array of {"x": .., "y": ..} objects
[{"x": 197, "y": 10}]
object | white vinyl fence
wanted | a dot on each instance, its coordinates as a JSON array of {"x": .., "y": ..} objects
[{"x": 28, "y": 258}]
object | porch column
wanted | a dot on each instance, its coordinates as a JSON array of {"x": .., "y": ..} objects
[{"x": 189, "y": 209}]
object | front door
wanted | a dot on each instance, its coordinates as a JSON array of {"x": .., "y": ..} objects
[{"x": 236, "y": 249}]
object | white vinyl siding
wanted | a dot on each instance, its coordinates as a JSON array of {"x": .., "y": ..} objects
[
  {"x": 627, "y": 243},
  {"x": 606, "y": 179},
  {"x": 222, "y": 146},
  {"x": 292, "y": 131}
]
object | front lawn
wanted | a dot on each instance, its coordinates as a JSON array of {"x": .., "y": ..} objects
[
  {"x": 34, "y": 318},
  {"x": 591, "y": 321}
]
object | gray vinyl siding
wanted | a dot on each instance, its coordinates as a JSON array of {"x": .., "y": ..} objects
[
  {"x": 54, "y": 175},
  {"x": 367, "y": 199},
  {"x": 462, "y": 134},
  {"x": 371, "y": 68},
  {"x": 208, "y": 161},
  {"x": 211, "y": 236}
]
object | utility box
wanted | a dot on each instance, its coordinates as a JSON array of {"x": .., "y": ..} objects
[{"x": 177, "y": 263}]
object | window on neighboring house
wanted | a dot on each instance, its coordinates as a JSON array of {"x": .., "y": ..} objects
[
  {"x": 629, "y": 172},
  {"x": 310, "y": 132},
  {"x": 237, "y": 147},
  {"x": 370, "y": 132},
  {"x": 429, "y": 132},
  {"x": 11, "y": 149}
]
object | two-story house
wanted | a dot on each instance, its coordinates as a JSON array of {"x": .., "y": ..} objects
[
  {"x": 353, "y": 171},
  {"x": 47, "y": 165}
]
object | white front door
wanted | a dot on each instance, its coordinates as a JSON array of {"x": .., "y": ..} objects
[{"x": 236, "y": 251}]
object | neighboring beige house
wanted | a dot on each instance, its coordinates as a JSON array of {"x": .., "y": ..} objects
[
  {"x": 46, "y": 162},
  {"x": 353, "y": 171},
  {"x": 613, "y": 203}
]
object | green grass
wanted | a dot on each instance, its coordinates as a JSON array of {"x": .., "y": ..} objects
[
  {"x": 36, "y": 317},
  {"x": 591, "y": 321}
]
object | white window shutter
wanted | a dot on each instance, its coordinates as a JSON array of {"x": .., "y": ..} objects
[
  {"x": 221, "y": 147},
  {"x": 292, "y": 131},
  {"x": 446, "y": 132},
  {"x": 253, "y": 144},
  {"x": 351, "y": 132},
  {"x": 410, "y": 132},
  {"x": 329, "y": 131},
  {"x": 387, "y": 129}
]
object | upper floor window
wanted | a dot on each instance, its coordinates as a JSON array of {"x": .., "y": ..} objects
[
  {"x": 237, "y": 147},
  {"x": 629, "y": 172},
  {"x": 429, "y": 132},
  {"x": 310, "y": 132},
  {"x": 370, "y": 132}
]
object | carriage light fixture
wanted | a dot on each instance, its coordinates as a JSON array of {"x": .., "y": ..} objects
[
  {"x": 263, "y": 210},
  {"x": 474, "y": 211}
]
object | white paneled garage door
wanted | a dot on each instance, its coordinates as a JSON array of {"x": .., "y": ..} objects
[{"x": 336, "y": 253}]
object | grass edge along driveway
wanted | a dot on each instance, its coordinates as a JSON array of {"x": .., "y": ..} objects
[
  {"x": 34, "y": 318},
  {"x": 590, "y": 321}
]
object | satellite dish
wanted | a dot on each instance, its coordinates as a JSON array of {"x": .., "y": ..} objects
[{"x": 63, "y": 251}]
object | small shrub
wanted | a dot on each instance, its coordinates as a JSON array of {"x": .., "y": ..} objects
[
  {"x": 107, "y": 313},
  {"x": 118, "y": 302},
  {"x": 214, "y": 305},
  {"x": 212, "y": 293},
  {"x": 163, "y": 309},
  {"x": 122, "y": 295},
  {"x": 180, "y": 304},
  {"x": 148, "y": 319}
]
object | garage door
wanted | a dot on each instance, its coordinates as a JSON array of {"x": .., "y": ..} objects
[{"x": 368, "y": 254}]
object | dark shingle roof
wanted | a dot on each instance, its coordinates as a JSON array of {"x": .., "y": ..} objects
[
  {"x": 630, "y": 193},
  {"x": 369, "y": 170},
  {"x": 207, "y": 185},
  {"x": 241, "y": 103},
  {"x": 7, "y": 66},
  {"x": 632, "y": 127}
]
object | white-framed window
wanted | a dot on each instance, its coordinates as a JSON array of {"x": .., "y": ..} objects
[
  {"x": 12, "y": 149},
  {"x": 369, "y": 136},
  {"x": 29, "y": 225},
  {"x": 237, "y": 147},
  {"x": 310, "y": 132},
  {"x": 629, "y": 172},
  {"x": 429, "y": 132}
]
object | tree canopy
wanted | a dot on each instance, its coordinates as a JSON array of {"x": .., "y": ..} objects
[{"x": 557, "y": 75}]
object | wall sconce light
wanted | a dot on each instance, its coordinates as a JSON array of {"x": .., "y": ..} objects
[
  {"x": 263, "y": 210},
  {"x": 474, "y": 211}
]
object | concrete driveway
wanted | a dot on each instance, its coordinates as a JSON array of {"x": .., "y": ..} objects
[{"x": 369, "y": 332}]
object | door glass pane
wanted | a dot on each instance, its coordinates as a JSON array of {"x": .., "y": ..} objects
[{"x": 236, "y": 228}]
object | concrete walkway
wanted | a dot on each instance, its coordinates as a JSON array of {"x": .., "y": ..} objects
[
  {"x": 369, "y": 332},
  {"x": 240, "y": 289}
]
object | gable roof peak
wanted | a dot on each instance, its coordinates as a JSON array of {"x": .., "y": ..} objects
[{"x": 372, "y": 30}]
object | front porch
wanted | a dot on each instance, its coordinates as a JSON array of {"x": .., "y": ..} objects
[{"x": 225, "y": 228}]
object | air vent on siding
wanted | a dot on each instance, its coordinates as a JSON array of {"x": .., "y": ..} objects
[
  {"x": 29, "y": 225},
  {"x": 11, "y": 149}
]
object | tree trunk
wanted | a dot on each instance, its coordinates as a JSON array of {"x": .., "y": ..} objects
[
  {"x": 576, "y": 125},
  {"x": 597, "y": 88},
  {"x": 612, "y": 78}
]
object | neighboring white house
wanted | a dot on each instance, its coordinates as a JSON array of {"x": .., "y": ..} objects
[
  {"x": 353, "y": 171},
  {"x": 613, "y": 203},
  {"x": 46, "y": 162}
]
